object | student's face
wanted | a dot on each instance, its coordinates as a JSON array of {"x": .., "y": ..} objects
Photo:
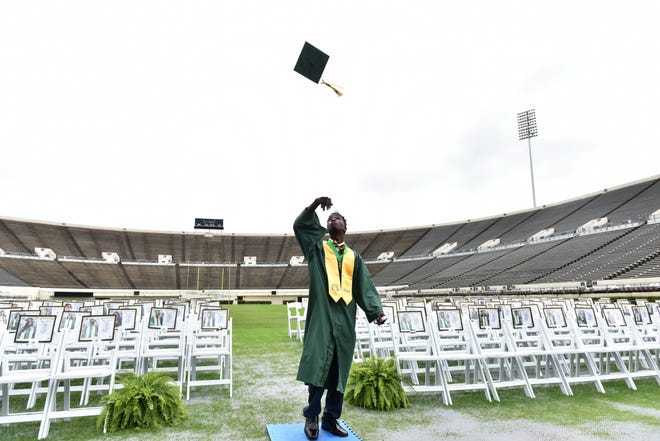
[{"x": 336, "y": 223}]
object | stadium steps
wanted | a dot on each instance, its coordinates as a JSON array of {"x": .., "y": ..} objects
[
  {"x": 632, "y": 266},
  {"x": 505, "y": 270},
  {"x": 584, "y": 256},
  {"x": 462, "y": 275},
  {"x": 612, "y": 258}
]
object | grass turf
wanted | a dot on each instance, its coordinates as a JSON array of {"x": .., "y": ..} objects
[{"x": 265, "y": 392}]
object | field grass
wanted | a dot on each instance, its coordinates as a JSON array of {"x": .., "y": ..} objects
[{"x": 265, "y": 392}]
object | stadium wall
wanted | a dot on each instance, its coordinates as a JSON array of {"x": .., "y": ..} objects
[{"x": 648, "y": 288}]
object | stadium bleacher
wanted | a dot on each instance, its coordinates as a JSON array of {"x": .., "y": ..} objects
[{"x": 626, "y": 246}]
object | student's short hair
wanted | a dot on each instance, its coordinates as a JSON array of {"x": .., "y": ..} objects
[{"x": 336, "y": 213}]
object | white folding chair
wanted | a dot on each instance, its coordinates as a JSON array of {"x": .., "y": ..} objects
[
  {"x": 21, "y": 365},
  {"x": 73, "y": 365},
  {"x": 164, "y": 350},
  {"x": 296, "y": 316},
  {"x": 214, "y": 346}
]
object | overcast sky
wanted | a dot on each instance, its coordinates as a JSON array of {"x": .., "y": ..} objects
[{"x": 146, "y": 114}]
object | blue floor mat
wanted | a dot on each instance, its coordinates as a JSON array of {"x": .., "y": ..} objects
[{"x": 295, "y": 432}]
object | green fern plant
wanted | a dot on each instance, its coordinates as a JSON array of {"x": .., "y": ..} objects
[
  {"x": 375, "y": 384},
  {"x": 151, "y": 401}
]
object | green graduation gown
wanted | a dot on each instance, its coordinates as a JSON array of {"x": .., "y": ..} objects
[{"x": 330, "y": 325}]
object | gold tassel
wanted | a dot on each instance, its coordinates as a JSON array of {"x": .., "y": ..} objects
[{"x": 337, "y": 91}]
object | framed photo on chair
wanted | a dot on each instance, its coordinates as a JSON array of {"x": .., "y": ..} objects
[
  {"x": 97, "y": 327},
  {"x": 641, "y": 315},
  {"x": 489, "y": 318},
  {"x": 614, "y": 317},
  {"x": 626, "y": 308},
  {"x": 437, "y": 305},
  {"x": 15, "y": 318},
  {"x": 93, "y": 310},
  {"x": 585, "y": 316},
  {"x": 522, "y": 317},
  {"x": 124, "y": 317},
  {"x": 107, "y": 306},
  {"x": 35, "y": 328},
  {"x": 654, "y": 311},
  {"x": 505, "y": 312},
  {"x": 51, "y": 310},
  {"x": 554, "y": 317},
  {"x": 449, "y": 319},
  {"x": 24, "y": 306},
  {"x": 214, "y": 318},
  {"x": 72, "y": 306},
  {"x": 4, "y": 317},
  {"x": 472, "y": 310},
  {"x": 146, "y": 309},
  {"x": 162, "y": 318},
  {"x": 411, "y": 321},
  {"x": 71, "y": 320},
  {"x": 206, "y": 304},
  {"x": 182, "y": 310},
  {"x": 35, "y": 304}
]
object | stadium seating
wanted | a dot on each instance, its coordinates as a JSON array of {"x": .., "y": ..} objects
[{"x": 202, "y": 261}]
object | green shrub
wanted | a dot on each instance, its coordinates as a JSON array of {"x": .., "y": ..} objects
[
  {"x": 152, "y": 400},
  {"x": 375, "y": 384}
]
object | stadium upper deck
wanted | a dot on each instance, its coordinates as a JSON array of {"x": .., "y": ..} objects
[{"x": 624, "y": 244}]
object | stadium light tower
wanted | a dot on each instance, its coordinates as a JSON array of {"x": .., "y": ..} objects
[{"x": 527, "y": 130}]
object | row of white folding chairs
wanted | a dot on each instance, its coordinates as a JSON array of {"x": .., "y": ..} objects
[
  {"x": 488, "y": 359},
  {"x": 182, "y": 352},
  {"x": 50, "y": 368},
  {"x": 54, "y": 369}
]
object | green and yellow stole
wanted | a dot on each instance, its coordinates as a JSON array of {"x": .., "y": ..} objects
[{"x": 340, "y": 284}]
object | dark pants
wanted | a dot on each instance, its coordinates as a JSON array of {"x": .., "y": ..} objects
[{"x": 334, "y": 400}]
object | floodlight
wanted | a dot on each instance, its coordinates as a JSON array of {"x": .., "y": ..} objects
[{"x": 527, "y": 130}]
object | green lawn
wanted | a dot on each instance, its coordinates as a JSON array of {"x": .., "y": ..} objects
[{"x": 265, "y": 391}]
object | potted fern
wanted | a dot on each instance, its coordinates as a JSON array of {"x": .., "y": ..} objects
[
  {"x": 376, "y": 384},
  {"x": 152, "y": 400}
]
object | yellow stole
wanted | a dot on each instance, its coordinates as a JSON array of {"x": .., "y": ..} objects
[{"x": 339, "y": 286}]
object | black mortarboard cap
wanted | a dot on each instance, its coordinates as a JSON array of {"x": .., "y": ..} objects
[{"x": 311, "y": 62}]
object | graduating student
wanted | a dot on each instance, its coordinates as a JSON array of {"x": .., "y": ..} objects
[
  {"x": 90, "y": 330},
  {"x": 484, "y": 319},
  {"x": 209, "y": 319},
  {"x": 338, "y": 281},
  {"x": 69, "y": 322},
  {"x": 28, "y": 330},
  {"x": 156, "y": 318},
  {"x": 443, "y": 320}
]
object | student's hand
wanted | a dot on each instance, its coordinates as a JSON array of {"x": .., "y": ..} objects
[
  {"x": 325, "y": 202},
  {"x": 381, "y": 318}
]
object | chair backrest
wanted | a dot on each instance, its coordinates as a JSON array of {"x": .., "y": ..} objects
[{"x": 294, "y": 309}]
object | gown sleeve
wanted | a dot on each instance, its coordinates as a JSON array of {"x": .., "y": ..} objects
[{"x": 308, "y": 231}]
